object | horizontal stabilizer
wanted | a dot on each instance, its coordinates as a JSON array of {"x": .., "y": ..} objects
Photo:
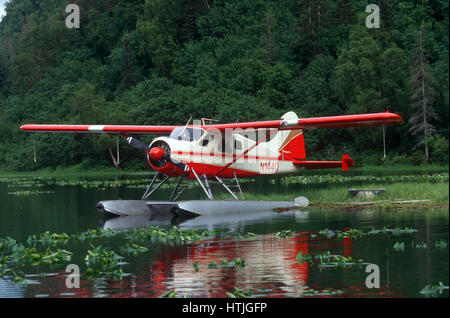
[{"x": 310, "y": 165}]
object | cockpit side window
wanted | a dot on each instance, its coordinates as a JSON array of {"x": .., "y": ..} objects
[
  {"x": 207, "y": 140},
  {"x": 187, "y": 133}
]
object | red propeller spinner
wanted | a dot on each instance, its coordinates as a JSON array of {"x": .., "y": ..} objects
[{"x": 156, "y": 153}]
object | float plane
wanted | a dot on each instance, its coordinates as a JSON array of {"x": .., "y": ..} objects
[{"x": 219, "y": 152}]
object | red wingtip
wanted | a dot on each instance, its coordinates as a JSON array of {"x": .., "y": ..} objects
[
  {"x": 24, "y": 127},
  {"x": 347, "y": 162}
]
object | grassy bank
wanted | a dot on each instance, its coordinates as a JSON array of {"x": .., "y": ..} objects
[
  {"x": 332, "y": 194},
  {"x": 437, "y": 192},
  {"x": 402, "y": 168},
  {"x": 81, "y": 170}
]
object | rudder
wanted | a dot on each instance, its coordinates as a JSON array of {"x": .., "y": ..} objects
[{"x": 293, "y": 147}]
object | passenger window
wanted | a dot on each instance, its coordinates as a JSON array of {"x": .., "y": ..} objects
[
  {"x": 225, "y": 147},
  {"x": 237, "y": 145}
]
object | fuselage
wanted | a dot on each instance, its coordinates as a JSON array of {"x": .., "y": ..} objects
[{"x": 224, "y": 155}]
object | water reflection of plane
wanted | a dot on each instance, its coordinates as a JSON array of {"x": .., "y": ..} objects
[
  {"x": 265, "y": 257},
  {"x": 270, "y": 265},
  {"x": 230, "y": 221},
  {"x": 9, "y": 289}
]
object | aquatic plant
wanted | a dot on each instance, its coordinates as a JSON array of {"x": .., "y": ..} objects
[
  {"x": 89, "y": 234},
  {"x": 3, "y": 266},
  {"x": 133, "y": 249},
  {"x": 99, "y": 255},
  {"x": 63, "y": 238},
  {"x": 421, "y": 245},
  {"x": 399, "y": 246},
  {"x": 169, "y": 294},
  {"x": 325, "y": 292},
  {"x": 240, "y": 293},
  {"x": 18, "y": 277},
  {"x": 325, "y": 255},
  {"x": 327, "y": 233},
  {"x": 91, "y": 272},
  {"x": 172, "y": 235},
  {"x": 172, "y": 294},
  {"x": 115, "y": 273},
  {"x": 352, "y": 233},
  {"x": 30, "y": 256},
  {"x": 239, "y": 262},
  {"x": 106, "y": 233},
  {"x": 434, "y": 290},
  {"x": 55, "y": 256},
  {"x": 7, "y": 243},
  {"x": 301, "y": 258},
  {"x": 440, "y": 244},
  {"x": 212, "y": 264},
  {"x": 329, "y": 260},
  {"x": 48, "y": 238},
  {"x": 284, "y": 233},
  {"x": 356, "y": 233},
  {"x": 336, "y": 179},
  {"x": 30, "y": 192},
  {"x": 394, "y": 231}
]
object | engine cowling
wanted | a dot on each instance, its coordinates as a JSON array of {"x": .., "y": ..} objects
[
  {"x": 156, "y": 154},
  {"x": 157, "y": 158}
]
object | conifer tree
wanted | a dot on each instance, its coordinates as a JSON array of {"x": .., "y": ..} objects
[{"x": 424, "y": 113}]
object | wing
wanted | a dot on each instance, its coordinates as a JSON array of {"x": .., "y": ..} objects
[
  {"x": 360, "y": 120},
  {"x": 101, "y": 129}
]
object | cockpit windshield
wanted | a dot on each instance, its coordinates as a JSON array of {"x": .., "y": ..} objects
[{"x": 187, "y": 133}]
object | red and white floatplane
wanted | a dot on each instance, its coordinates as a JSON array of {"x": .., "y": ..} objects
[{"x": 221, "y": 153}]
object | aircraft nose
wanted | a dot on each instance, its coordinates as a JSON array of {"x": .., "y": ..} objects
[{"x": 156, "y": 153}]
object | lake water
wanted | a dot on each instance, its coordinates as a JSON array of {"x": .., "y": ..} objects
[{"x": 271, "y": 267}]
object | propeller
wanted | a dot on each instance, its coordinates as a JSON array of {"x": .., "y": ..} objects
[
  {"x": 136, "y": 143},
  {"x": 159, "y": 153}
]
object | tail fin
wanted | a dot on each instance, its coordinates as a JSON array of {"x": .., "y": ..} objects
[
  {"x": 293, "y": 147},
  {"x": 292, "y": 142}
]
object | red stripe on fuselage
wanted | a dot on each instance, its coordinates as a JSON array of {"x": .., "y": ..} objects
[{"x": 223, "y": 155}]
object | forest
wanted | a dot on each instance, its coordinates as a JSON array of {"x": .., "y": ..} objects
[{"x": 159, "y": 62}]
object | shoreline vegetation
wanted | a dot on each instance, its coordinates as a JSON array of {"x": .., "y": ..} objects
[
  {"x": 79, "y": 170},
  {"x": 421, "y": 186}
]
